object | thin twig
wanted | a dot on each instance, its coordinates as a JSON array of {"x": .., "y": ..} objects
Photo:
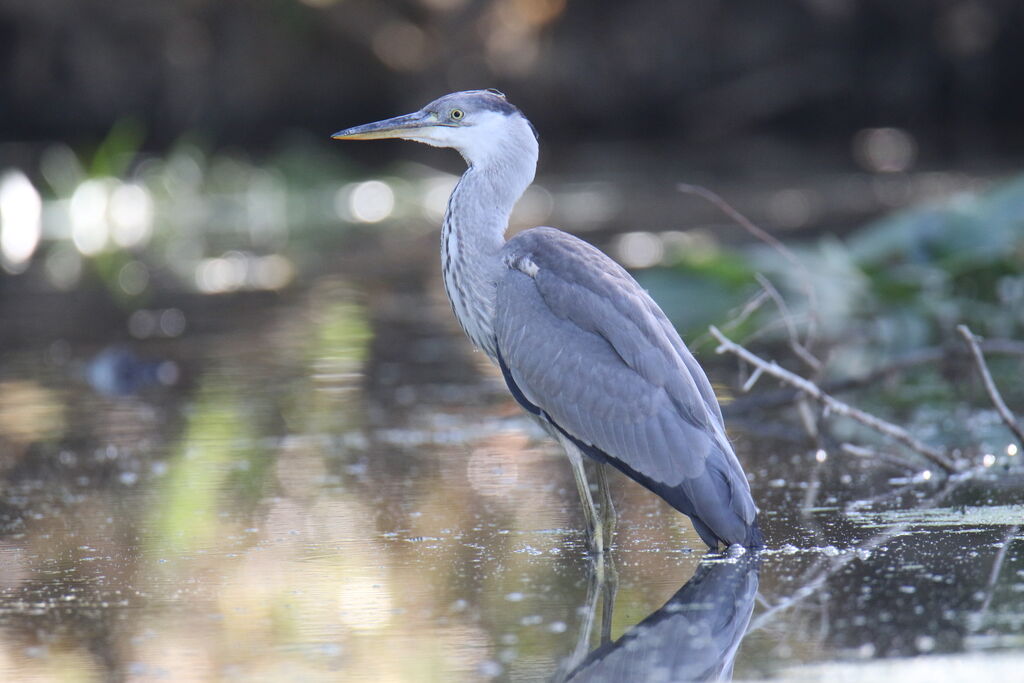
[
  {"x": 752, "y": 380},
  {"x": 833, "y": 404},
  {"x": 875, "y": 456},
  {"x": 749, "y": 308},
  {"x": 748, "y": 225},
  {"x": 907, "y": 361},
  {"x": 799, "y": 349},
  {"x": 990, "y": 385}
]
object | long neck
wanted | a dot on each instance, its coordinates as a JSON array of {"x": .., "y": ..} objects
[{"x": 471, "y": 240}]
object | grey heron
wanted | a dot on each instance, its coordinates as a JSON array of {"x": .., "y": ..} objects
[{"x": 583, "y": 348}]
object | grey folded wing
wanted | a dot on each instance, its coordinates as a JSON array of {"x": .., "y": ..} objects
[{"x": 586, "y": 344}]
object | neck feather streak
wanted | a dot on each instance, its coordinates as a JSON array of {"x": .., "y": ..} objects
[{"x": 471, "y": 241}]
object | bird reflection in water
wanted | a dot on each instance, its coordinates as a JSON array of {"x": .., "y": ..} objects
[{"x": 692, "y": 637}]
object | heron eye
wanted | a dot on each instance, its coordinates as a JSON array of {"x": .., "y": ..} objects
[{"x": 457, "y": 114}]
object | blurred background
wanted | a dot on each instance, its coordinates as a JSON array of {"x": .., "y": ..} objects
[
  {"x": 183, "y": 145},
  {"x": 241, "y": 433}
]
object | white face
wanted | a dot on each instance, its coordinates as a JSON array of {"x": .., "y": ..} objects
[
  {"x": 478, "y": 135},
  {"x": 486, "y": 133}
]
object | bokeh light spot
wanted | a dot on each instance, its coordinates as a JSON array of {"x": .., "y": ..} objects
[
  {"x": 640, "y": 249},
  {"x": 88, "y": 209},
  {"x": 133, "y": 278},
  {"x": 20, "y": 221},
  {"x": 885, "y": 150},
  {"x": 371, "y": 202},
  {"x": 131, "y": 215},
  {"x": 401, "y": 46}
]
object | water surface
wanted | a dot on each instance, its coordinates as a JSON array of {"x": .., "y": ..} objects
[{"x": 330, "y": 485}]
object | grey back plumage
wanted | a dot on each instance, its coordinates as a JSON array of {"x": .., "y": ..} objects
[{"x": 587, "y": 345}]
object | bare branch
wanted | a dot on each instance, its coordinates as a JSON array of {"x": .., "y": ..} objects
[
  {"x": 752, "y": 380},
  {"x": 875, "y": 456},
  {"x": 834, "y": 405},
  {"x": 748, "y": 225},
  {"x": 912, "y": 359},
  {"x": 749, "y": 308},
  {"x": 799, "y": 349},
  {"x": 990, "y": 385}
]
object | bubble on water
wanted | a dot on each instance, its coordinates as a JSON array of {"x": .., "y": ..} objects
[
  {"x": 531, "y": 620},
  {"x": 557, "y": 627},
  {"x": 128, "y": 478},
  {"x": 529, "y": 550},
  {"x": 909, "y": 590},
  {"x": 736, "y": 550},
  {"x": 515, "y": 597},
  {"x": 866, "y": 651},
  {"x": 830, "y": 551},
  {"x": 925, "y": 643},
  {"x": 789, "y": 549}
]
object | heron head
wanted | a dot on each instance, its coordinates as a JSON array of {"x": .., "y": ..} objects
[{"x": 480, "y": 124}]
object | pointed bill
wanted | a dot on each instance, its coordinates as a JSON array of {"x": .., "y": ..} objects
[{"x": 397, "y": 127}]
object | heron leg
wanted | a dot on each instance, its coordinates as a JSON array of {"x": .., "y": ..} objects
[
  {"x": 595, "y": 530},
  {"x": 608, "y": 515}
]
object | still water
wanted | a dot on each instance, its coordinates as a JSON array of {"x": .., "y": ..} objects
[{"x": 330, "y": 485}]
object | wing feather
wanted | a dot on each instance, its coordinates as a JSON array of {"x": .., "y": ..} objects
[{"x": 585, "y": 343}]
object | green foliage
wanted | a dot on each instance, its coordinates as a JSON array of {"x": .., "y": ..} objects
[
  {"x": 909, "y": 279},
  {"x": 696, "y": 290},
  {"x": 118, "y": 150},
  {"x": 891, "y": 289}
]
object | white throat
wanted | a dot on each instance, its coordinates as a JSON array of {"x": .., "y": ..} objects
[{"x": 502, "y": 160}]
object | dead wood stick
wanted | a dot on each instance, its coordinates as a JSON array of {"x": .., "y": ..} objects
[
  {"x": 934, "y": 354},
  {"x": 794, "y": 339},
  {"x": 990, "y": 385},
  {"x": 805, "y": 279},
  {"x": 833, "y": 404}
]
